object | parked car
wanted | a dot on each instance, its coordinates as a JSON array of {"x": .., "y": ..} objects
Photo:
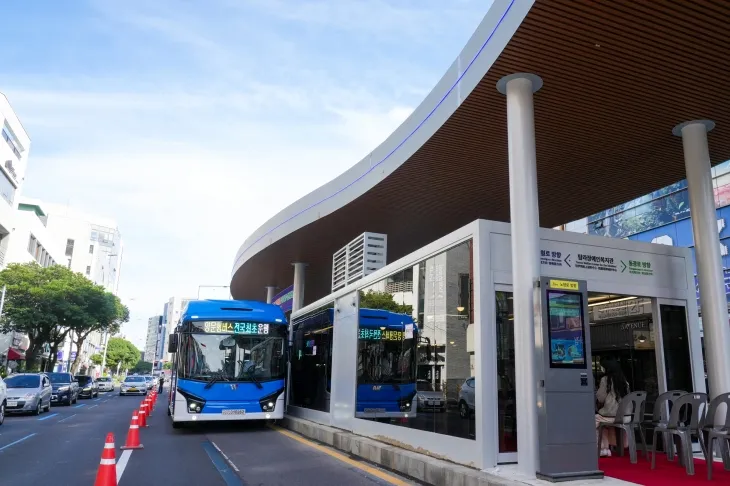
[
  {"x": 105, "y": 384},
  {"x": 28, "y": 393},
  {"x": 467, "y": 403},
  {"x": 65, "y": 388},
  {"x": 88, "y": 388},
  {"x": 133, "y": 385},
  {"x": 3, "y": 398},
  {"x": 151, "y": 382},
  {"x": 428, "y": 398}
]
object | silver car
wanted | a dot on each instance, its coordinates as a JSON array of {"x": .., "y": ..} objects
[
  {"x": 428, "y": 398},
  {"x": 28, "y": 393}
]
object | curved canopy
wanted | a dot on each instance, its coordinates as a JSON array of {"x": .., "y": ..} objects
[{"x": 618, "y": 76}]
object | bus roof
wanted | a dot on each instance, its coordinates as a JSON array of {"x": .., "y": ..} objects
[
  {"x": 223, "y": 310},
  {"x": 369, "y": 318},
  {"x": 383, "y": 318}
]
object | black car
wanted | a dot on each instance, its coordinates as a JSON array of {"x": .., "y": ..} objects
[
  {"x": 65, "y": 388},
  {"x": 88, "y": 387}
]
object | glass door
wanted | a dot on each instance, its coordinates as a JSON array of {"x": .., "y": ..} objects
[
  {"x": 506, "y": 396},
  {"x": 675, "y": 345}
]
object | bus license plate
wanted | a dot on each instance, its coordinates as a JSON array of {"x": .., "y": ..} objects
[
  {"x": 239, "y": 411},
  {"x": 374, "y": 410}
]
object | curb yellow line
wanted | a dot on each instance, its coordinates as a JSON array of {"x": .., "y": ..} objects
[{"x": 378, "y": 473}]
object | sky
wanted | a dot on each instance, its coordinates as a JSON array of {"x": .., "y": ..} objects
[{"x": 193, "y": 122}]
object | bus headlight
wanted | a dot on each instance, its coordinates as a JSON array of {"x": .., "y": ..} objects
[
  {"x": 406, "y": 402},
  {"x": 268, "y": 403},
  {"x": 195, "y": 404}
]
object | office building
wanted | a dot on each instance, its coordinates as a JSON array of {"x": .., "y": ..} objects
[
  {"x": 152, "y": 342},
  {"x": 93, "y": 247},
  {"x": 170, "y": 317}
]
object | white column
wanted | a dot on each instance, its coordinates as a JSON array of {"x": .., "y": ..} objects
[
  {"x": 270, "y": 293},
  {"x": 525, "y": 225},
  {"x": 713, "y": 302},
  {"x": 298, "y": 297}
]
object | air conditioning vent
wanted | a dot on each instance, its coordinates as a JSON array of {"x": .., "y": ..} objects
[{"x": 362, "y": 256}]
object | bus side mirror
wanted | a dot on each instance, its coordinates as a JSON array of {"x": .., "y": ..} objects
[{"x": 172, "y": 344}]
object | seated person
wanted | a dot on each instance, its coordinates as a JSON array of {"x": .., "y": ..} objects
[{"x": 611, "y": 389}]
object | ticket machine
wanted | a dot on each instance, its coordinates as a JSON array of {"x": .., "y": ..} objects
[{"x": 566, "y": 393}]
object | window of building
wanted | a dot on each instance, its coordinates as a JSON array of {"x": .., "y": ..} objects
[
  {"x": 415, "y": 360},
  {"x": 91, "y": 249},
  {"x": 88, "y": 270},
  {"x": 69, "y": 247},
  {"x": 7, "y": 189},
  {"x": 31, "y": 244}
]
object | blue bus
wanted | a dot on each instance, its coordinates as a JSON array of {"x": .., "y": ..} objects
[
  {"x": 386, "y": 363},
  {"x": 229, "y": 362}
]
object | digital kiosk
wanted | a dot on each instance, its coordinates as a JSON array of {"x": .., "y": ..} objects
[{"x": 566, "y": 393}]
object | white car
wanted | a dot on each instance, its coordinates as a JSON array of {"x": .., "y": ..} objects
[
  {"x": 105, "y": 384},
  {"x": 3, "y": 400},
  {"x": 133, "y": 385}
]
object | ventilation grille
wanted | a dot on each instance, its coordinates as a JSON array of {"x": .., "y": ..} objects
[{"x": 362, "y": 256}]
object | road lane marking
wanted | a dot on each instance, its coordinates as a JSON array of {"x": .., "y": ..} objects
[
  {"x": 97, "y": 399},
  {"x": 122, "y": 463},
  {"x": 48, "y": 416},
  {"x": 230, "y": 463},
  {"x": 93, "y": 406},
  {"x": 17, "y": 441},
  {"x": 341, "y": 457},
  {"x": 80, "y": 405},
  {"x": 64, "y": 419},
  {"x": 230, "y": 477}
]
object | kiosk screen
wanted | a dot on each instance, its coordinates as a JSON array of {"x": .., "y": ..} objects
[{"x": 567, "y": 334}]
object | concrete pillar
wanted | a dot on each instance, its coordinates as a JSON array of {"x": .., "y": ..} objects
[
  {"x": 270, "y": 293},
  {"x": 525, "y": 225},
  {"x": 298, "y": 297},
  {"x": 713, "y": 302}
]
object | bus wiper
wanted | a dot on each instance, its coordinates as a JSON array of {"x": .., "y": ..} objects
[
  {"x": 214, "y": 379},
  {"x": 254, "y": 379}
]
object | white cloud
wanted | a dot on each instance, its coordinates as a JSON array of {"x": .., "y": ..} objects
[{"x": 193, "y": 127}]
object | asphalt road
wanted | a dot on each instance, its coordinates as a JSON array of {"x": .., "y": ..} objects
[{"x": 63, "y": 447}]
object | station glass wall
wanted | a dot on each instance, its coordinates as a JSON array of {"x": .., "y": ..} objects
[
  {"x": 311, "y": 359},
  {"x": 417, "y": 369}
]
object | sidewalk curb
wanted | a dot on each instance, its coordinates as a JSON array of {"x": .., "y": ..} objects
[{"x": 420, "y": 467}]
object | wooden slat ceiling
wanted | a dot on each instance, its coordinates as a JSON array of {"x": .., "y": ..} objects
[{"x": 619, "y": 75}]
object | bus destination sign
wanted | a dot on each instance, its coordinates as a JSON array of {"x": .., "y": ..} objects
[
  {"x": 381, "y": 335},
  {"x": 247, "y": 328}
]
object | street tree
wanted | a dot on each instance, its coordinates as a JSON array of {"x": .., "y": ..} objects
[
  {"x": 383, "y": 300},
  {"x": 143, "y": 367},
  {"x": 119, "y": 350},
  {"x": 167, "y": 365},
  {"x": 99, "y": 311},
  {"x": 36, "y": 304}
]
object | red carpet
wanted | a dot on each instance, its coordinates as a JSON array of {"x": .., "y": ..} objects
[{"x": 666, "y": 473}]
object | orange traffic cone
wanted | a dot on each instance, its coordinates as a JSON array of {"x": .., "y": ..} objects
[
  {"x": 148, "y": 402},
  {"x": 107, "y": 473},
  {"x": 133, "y": 435},
  {"x": 142, "y": 415}
]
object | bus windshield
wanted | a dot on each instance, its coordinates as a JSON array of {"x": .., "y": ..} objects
[
  {"x": 386, "y": 361},
  {"x": 231, "y": 357}
]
